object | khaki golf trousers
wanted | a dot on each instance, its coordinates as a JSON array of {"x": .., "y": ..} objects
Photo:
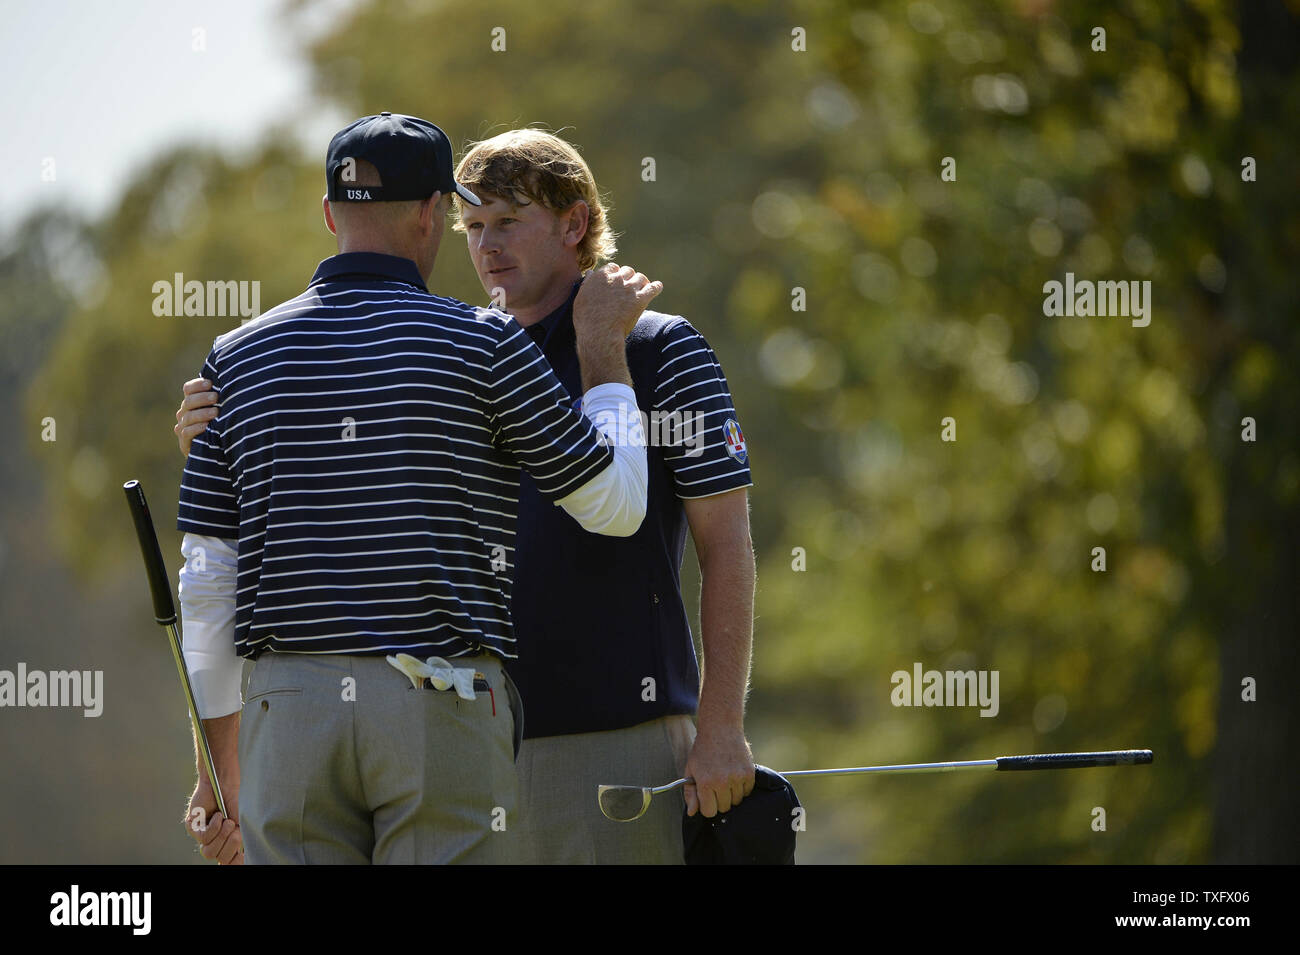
[{"x": 343, "y": 761}]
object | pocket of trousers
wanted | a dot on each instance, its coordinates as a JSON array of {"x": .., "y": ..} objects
[
  {"x": 263, "y": 674},
  {"x": 274, "y": 691},
  {"x": 516, "y": 704}
]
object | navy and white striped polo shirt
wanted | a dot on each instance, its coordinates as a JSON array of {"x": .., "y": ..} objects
[{"x": 367, "y": 459}]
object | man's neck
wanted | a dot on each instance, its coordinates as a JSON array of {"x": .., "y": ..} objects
[
  {"x": 556, "y": 295},
  {"x": 387, "y": 248}
]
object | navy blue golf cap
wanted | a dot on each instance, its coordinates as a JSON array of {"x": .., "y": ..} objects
[
  {"x": 758, "y": 831},
  {"x": 413, "y": 157}
]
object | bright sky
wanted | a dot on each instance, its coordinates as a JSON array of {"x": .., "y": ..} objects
[{"x": 100, "y": 86}]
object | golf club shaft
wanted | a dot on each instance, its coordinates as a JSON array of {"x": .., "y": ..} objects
[
  {"x": 173, "y": 637},
  {"x": 1115, "y": 757},
  {"x": 164, "y": 611},
  {"x": 905, "y": 768}
]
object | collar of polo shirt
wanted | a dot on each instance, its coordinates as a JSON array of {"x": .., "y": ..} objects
[{"x": 377, "y": 264}]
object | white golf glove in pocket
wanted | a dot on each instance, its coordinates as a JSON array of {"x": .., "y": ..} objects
[{"x": 441, "y": 674}]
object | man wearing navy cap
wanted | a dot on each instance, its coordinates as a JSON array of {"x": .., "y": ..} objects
[{"x": 350, "y": 517}]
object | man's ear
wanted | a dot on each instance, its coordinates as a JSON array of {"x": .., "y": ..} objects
[
  {"x": 578, "y": 217},
  {"x": 329, "y": 218}
]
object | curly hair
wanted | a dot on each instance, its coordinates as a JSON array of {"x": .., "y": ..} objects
[{"x": 529, "y": 165}]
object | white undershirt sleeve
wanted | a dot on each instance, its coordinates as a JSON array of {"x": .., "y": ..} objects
[
  {"x": 614, "y": 501},
  {"x": 207, "y": 597}
]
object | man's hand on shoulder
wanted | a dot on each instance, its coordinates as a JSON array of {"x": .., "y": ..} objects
[
  {"x": 198, "y": 407},
  {"x": 608, "y": 305},
  {"x": 612, "y": 298}
]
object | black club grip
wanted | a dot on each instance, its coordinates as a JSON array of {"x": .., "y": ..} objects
[
  {"x": 164, "y": 609},
  {"x": 1115, "y": 757}
]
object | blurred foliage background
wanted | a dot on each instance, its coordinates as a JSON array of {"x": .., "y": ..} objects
[{"x": 780, "y": 168}]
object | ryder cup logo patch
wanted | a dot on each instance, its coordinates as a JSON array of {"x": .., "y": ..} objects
[{"x": 735, "y": 440}]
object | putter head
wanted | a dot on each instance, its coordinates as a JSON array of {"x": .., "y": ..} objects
[{"x": 623, "y": 803}]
